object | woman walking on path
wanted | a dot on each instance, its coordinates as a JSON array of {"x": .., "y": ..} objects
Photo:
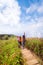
[{"x": 19, "y": 40}]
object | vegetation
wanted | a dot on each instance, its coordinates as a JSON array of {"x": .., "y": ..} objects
[
  {"x": 36, "y": 45},
  {"x": 10, "y": 53}
]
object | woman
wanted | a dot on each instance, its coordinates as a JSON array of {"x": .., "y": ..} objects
[{"x": 19, "y": 40}]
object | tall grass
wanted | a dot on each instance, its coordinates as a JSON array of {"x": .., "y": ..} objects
[
  {"x": 36, "y": 45},
  {"x": 10, "y": 53}
]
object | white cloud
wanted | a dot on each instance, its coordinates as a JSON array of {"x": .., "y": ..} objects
[
  {"x": 35, "y": 28},
  {"x": 9, "y": 15},
  {"x": 35, "y": 7},
  {"x": 10, "y": 19},
  {"x": 31, "y": 9},
  {"x": 40, "y": 9}
]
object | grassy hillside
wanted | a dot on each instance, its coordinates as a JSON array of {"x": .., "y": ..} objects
[
  {"x": 10, "y": 53},
  {"x": 36, "y": 45}
]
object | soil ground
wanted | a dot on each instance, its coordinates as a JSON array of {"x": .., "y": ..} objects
[{"x": 31, "y": 58}]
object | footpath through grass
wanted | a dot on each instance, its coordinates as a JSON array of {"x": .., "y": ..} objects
[
  {"x": 10, "y": 53},
  {"x": 36, "y": 45}
]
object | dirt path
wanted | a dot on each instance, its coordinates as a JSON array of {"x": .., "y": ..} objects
[{"x": 30, "y": 58}]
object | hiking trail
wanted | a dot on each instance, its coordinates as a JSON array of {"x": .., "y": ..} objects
[{"x": 31, "y": 58}]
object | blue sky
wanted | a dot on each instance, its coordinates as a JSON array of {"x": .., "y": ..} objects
[{"x": 19, "y": 16}]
